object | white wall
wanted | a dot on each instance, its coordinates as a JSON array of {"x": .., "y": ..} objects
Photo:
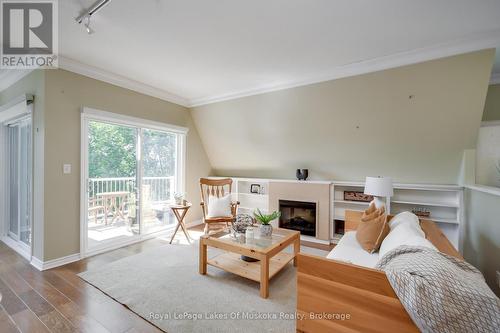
[
  {"x": 482, "y": 234},
  {"x": 488, "y": 156}
]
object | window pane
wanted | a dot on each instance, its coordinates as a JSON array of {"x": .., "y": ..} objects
[
  {"x": 112, "y": 193},
  {"x": 14, "y": 180},
  {"x": 25, "y": 184},
  {"x": 159, "y": 171}
]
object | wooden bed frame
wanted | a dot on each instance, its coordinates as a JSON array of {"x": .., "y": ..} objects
[{"x": 360, "y": 299}]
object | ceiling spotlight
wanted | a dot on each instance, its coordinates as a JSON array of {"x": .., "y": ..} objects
[
  {"x": 90, "y": 31},
  {"x": 85, "y": 16}
]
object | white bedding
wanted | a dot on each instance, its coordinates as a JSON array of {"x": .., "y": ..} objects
[{"x": 349, "y": 250}]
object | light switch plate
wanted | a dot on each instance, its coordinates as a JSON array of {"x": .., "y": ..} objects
[
  {"x": 498, "y": 278},
  {"x": 66, "y": 169}
]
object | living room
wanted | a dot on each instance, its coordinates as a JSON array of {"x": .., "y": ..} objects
[{"x": 250, "y": 166}]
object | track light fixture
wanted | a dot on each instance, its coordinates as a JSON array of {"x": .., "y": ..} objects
[
  {"x": 85, "y": 16},
  {"x": 90, "y": 31}
]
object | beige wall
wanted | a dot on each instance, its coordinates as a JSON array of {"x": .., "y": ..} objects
[
  {"x": 34, "y": 84},
  {"x": 66, "y": 93},
  {"x": 482, "y": 234},
  {"x": 492, "y": 106},
  {"x": 349, "y": 128}
]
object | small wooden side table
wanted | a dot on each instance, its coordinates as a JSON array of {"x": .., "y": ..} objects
[{"x": 180, "y": 212}]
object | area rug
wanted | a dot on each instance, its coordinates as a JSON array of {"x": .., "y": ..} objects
[{"x": 164, "y": 287}]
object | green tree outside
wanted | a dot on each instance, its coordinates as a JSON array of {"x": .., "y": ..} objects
[{"x": 112, "y": 151}]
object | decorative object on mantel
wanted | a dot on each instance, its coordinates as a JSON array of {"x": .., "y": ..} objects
[
  {"x": 357, "y": 196},
  {"x": 421, "y": 212},
  {"x": 266, "y": 229},
  {"x": 179, "y": 198},
  {"x": 255, "y": 188},
  {"x": 379, "y": 187},
  {"x": 302, "y": 174}
]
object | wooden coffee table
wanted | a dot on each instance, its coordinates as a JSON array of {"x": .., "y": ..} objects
[{"x": 269, "y": 252}]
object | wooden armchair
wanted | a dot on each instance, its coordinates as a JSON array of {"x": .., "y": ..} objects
[{"x": 216, "y": 188}]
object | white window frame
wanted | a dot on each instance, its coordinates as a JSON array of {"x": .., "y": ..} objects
[
  {"x": 90, "y": 114},
  {"x": 18, "y": 109}
]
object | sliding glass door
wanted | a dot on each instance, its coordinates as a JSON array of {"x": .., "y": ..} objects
[
  {"x": 25, "y": 171},
  {"x": 20, "y": 170},
  {"x": 131, "y": 175},
  {"x": 159, "y": 174},
  {"x": 112, "y": 191}
]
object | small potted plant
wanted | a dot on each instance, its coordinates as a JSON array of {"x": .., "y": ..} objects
[{"x": 266, "y": 229}]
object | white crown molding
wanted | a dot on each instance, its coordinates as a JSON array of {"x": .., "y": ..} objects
[
  {"x": 118, "y": 80},
  {"x": 489, "y": 123},
  {"x": 10, "y": 76},
  {"x": 477, "y": 42},
  {"x": 495, "y": 78},
  {"x": 474, "y": 43}
]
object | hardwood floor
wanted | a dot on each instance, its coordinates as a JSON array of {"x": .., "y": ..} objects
[{"x": 57, "y": 300}]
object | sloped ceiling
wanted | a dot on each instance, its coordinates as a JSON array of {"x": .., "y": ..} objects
[
  {"x": 411, "y": 123},
  {"x": 201, "y": 50}
]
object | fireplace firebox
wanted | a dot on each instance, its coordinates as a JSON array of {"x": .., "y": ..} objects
[{"x": 298, "y": 215}]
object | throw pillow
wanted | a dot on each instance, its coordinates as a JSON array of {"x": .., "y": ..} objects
[
  {"x": 219, "y": 207},
  {"x": 372, "y": 229},
  {"x": 406, "y": 218},
  {"x": 371, "y": 213},
  {"x": 403, "y": 234}
]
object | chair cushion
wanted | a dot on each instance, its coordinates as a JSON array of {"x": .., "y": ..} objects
[
  {"x": 219, "y": 207},
  {"x": 372, "y": 229}
]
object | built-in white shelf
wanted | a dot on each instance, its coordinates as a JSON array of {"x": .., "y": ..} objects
[
  {"x": 253, "y": 195},
  {"x": 357, "y": 203},
  {"x": 433, "y": 204},
  {"x": 444, "y": 220},
  {"x": 249, "y": 201},
  {"x": 252, "y": 209},
  {"x": 444, "y": 202}
]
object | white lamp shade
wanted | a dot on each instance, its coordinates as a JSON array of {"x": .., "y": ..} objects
[{"x": 379, "y": 186}]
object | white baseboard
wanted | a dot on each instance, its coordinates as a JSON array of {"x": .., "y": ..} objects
[
  {"x": 49, "y": 264},
  {"x": 37, "y": 263},
  {"x": 45, "y": 265},
  {"x": 194, "y": 223},
  {"x": 16, "y": 247}
]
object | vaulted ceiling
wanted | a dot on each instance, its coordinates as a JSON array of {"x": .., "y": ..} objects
[{"x": 198, "y": 51}]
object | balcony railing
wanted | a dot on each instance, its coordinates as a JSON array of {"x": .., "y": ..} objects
[{"x": 158, "y": 188}]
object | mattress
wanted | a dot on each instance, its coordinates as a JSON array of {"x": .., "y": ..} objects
[{"x": 349, "y": 250}]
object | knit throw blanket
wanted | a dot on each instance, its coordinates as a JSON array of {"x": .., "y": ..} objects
[{"x": 441, "y": 293}]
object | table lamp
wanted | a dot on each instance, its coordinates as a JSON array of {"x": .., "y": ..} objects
[{"x": 379, "y": 187}]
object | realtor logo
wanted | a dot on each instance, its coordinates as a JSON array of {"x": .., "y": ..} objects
[{"x": 29, "y": 34}]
